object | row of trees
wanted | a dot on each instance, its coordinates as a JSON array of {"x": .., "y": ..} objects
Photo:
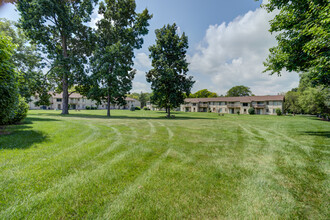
[
  {"x": 307, "y": 99},
  {"x": 233, "y": 92},
  {"x": 96, "y": 63}
]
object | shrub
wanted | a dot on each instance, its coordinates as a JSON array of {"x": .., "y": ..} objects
[
  {"x": 137, "y": 108},
  {"x": 9, "y": 96},
  {"x": 87, "y": 107},
  {"x": 278, "y": 111},
  {"x": 145, "y": 108},
  {"x": 251, "y": 111},
  {"x": 21, "y": 111},
  {"x": 238, "y": 112},
  {"x": 132, "y": 108}
]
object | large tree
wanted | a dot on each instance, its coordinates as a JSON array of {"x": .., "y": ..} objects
[
  {"x": 28, "y": 63},
  {"x": 315, "y": 100},
  {"x": 204, "y": 93},
  {"x": 59, "y": 28},
  {"x": 291, "y": 103},
  {"x": 119, "y": 32},
  {"x": 9, "y": 96},
  {"x": 303, "y": 28},
  {"x": 168, "y": 78},
  {"x": 239, "y": 91}
]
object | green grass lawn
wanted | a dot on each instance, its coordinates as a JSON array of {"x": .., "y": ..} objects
[{"x": 139, "y": 165}]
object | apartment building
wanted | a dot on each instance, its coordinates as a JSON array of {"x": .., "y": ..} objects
[
  {"x": 263, "y": 105},
  {"x": 79, "y": 102}
]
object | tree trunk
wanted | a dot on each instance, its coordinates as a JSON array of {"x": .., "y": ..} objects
[
  {"x": 108, "y": 104},
  {"x": 169, "y": 112},
  {"x": 65, "y": 94}
]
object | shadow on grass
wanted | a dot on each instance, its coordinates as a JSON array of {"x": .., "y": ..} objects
[
  {"x": 318, "y": 133},
  {"x": 30, "y": 120},
  {"x": 177, "y": 117},
  {"x": 21, "y": 136}
]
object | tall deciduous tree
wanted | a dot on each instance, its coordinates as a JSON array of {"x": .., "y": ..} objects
[
  {"x": 291, "y": 103},
  {"x": 303, "y": 39},
  {"x": 315, "y": 100},
  {"x": 239, "y": 91},
  {"x": 28, "y": 63},
  {"x": 118, "y": 34},
  {"x": 168, "y": 78},
  {"x": 58, "y": 26},
  {"x": 9, "y": 96}
]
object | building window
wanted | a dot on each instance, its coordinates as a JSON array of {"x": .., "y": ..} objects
[
  {"x": 220, "y": 110},
  {"x": 245, "y": 110},
  {"x": 194, "y": 104},
  {"x": 78, "y": 100},
  {"x": 267, "y": 110},
  {"x": 273, "y": 111},
  {"x": 245, "y": 104},
  {"x": 58, "y": 100}
]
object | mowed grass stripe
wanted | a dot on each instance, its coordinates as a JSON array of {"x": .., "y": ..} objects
[{"x": 212, "y": 167}]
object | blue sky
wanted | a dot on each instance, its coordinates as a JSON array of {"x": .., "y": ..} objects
[{"x": 228, "y": 41}]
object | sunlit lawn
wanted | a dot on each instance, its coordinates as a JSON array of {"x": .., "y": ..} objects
[{"x": 139, "y": 165}]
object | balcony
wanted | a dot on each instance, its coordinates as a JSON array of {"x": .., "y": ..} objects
[
  {"x": 259, "y": 105},
  {"x": 233, "y": 105},
  {"x": 203, "y": 105},
  {"x": 73, "y": 101}
]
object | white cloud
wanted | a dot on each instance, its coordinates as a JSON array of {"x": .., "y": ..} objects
[
  {"x": 94, "y": 19},
  {"x": 140, "y": 87},
  {"x": 233, "y": 54},
  {"x": 142, "y": 61}
]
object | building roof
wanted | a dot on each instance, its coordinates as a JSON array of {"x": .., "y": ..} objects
[{"x": 237, "y": 99}]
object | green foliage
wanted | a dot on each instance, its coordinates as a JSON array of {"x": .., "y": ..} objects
[
  {"x": 315, "y": 100},
  {"x": 132, "y": 108},
  {"x": 21, "y": 110},
  {"x": 291, "y": 104},
  {"x": 59, "y": 29},
  {"x": 251, "y": 111},
  {"x": 204, "y": 93},
  {"x": 303, "y": 39},
  {"x": 278, "y": 111},
  {"x": 143, "y": 97},
  {"x": 119, "y": 32},
  {"x": 27, "y": 60},
  {"x": 9, "y": 96},
  {"x": 137, "y": 108},
  {"x": 168, "y": 78},
  {"x": 88, "y": 108},
  {"x": 239, "y": 91},
  {"x": 146, "y": 108}
]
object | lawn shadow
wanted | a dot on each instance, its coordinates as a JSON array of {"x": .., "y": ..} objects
[
  {"x": 22, "y": 136},
  {"x": 318, "y": 133},
  {"x": 30, "y": 120}
]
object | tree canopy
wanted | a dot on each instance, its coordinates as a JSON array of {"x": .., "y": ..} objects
[
  {"x": 8, "y": 81},
  {"x": 204, "y": 93},
  {"x": 168, "y": 78},
  {"x": 28, "y": 63},
  {"x": 119, "y": 32},
  {"x": 239, "y": 91},
  {"x": 58, "y": 28},
  {"x": 303, "y": 38}
]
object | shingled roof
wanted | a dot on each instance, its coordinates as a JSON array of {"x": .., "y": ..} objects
[{"x": 238, "y": 99}]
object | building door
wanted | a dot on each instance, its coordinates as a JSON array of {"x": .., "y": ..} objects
[{"x": 59, "y": 106}]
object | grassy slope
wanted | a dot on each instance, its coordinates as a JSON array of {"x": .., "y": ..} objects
[{"x": 139, "y": 165}]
